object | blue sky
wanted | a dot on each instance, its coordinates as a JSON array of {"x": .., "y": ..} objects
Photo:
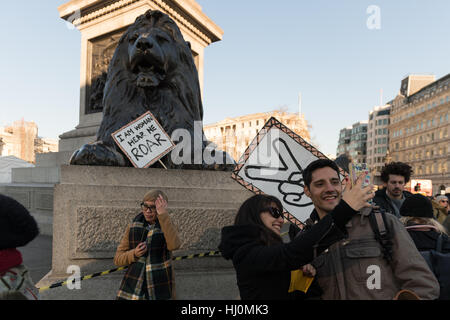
[{"x": 270, "y": 52}]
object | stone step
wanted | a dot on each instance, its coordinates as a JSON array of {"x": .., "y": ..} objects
[
  {"x": 37, "y": 175},
  {"x": 53, "y": 159}
]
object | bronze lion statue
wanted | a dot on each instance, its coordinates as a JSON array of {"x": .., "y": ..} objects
[{"x": 152, "y": 70}]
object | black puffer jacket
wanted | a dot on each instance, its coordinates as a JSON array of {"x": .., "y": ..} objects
[
  {"x": 263, "y": 272},
  {"x": 17, "y": 226},
  {"x": 427, "y": 240},
  {"x": 383, "y": 201}
]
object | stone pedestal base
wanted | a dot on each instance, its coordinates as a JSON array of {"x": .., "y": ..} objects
[{"x": 93, "y": 206}]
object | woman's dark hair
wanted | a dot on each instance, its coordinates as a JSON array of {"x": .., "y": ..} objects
[{"x": 250, "y": 213}]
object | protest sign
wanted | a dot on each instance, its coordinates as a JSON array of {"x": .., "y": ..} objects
[
  {"x": 143, "y": 141},
  {"x": 273, "y": 164}
]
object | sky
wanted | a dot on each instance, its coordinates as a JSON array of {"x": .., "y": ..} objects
[{"x": 340, "y": 54}]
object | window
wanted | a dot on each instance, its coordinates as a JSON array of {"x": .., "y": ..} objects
[{"x": 385, "y": 121}]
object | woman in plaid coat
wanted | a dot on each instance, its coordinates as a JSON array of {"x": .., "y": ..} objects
[{"x": 146, "y": 247}]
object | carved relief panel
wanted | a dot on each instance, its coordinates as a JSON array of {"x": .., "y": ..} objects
[{"x": 102, "y": 50}]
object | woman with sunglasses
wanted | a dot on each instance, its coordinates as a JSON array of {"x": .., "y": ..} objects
[
  {"x": 263, "y": 263},
  {"x": 146, "y": 247}
]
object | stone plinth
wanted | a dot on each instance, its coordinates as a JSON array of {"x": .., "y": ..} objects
[{"x": 93, "y": 206}]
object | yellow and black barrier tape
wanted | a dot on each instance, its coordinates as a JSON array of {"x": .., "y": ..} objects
[
  {"x": 98, "y": 274},
  {"x": 198, "y": 255}
]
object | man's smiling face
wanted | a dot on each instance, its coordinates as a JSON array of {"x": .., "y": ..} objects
[{"x": 325, "y": 190}]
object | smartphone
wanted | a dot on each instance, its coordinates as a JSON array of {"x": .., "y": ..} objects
[{"x": 355, "y": 171}]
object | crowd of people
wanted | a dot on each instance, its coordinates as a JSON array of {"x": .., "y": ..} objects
[
  {"x": 356, "y": 244},
  {"x": 392, "y": 247}
]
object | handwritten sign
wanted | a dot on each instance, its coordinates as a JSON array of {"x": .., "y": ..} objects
[
  {"x": 273, "y": 164},
  {"x": 143, "y": 141}
]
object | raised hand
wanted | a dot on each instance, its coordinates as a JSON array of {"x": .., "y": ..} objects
[
  {"x": 161, "y": 205},
  {"x": 357, "y": 197}
]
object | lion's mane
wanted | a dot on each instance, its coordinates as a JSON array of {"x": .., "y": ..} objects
[
  {"x": 175, "y": 102},
  {"x": 152, "y": 70}
]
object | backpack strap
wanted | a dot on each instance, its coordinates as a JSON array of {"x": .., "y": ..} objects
[{"x": 377, "y": 219}]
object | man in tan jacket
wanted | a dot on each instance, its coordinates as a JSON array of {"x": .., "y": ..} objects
[
  {"x": 146, "y": 247},
  {"x": 359, "y": 266}
]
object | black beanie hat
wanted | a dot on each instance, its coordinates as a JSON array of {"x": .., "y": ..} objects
[
  {"x": 417, "y": 205},
  {"x": 17, "y": 226}
]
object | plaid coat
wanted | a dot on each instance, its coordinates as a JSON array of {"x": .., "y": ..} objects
[{"x": 149, "y": 276}]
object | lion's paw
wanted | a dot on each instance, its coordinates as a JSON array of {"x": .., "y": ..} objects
[{"x": 97, "y": 154}]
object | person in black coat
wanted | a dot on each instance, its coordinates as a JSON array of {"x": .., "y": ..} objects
[
  {"x": 417, "y": 212},
  {"x": 395, "y": 176},
  {"x": 417, "y": 216},
  {"x": 263, "y": 263},
  {"x": 17, "y": 228}
]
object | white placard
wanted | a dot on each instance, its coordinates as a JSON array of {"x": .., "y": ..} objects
[
  {"x": 273, "y": 164},
  {"x": 143, "y": 141}
]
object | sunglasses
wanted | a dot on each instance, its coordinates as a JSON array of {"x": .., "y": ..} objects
[
  {"x": 275, "y": 212},
  {"x": 146, "y": 207}
]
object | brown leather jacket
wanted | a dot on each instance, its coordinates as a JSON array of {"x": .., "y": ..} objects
[{"x": 350, "y": 267}]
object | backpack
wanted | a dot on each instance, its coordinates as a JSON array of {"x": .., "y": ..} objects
[
  {"x": 439, "y": 263},
  {"x": 383, "y": 234}
]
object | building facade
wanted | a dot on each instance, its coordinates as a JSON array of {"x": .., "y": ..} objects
[
  {"x": 378, "y": 140},
  {"x": 21, "y": 140},
  {"x": 358, "y": 142},
  {"x": 234, "y": 135},
  {"x": 420, "y": 129},
  {"x": 343, "y": 147}
]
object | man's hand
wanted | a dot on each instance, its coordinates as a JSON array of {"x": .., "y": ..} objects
[
  {"x": 140, "y": 250},
  {"x": 161, "y": 205},
  {"x": 357, "y": 196},
  {"x": 309, "y": 270}
]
